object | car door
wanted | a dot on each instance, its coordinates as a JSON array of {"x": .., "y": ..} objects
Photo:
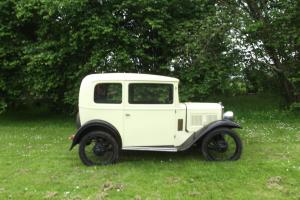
[
  {"x": 149, "y": 115},
  {"x": 106, "y": 103}
]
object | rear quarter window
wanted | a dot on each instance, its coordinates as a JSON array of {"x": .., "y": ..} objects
[{"x": 108, "y": 93}]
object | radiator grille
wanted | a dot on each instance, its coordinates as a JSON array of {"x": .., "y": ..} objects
[
  {"x": 196, "y": 120},
  {"x": 211, "y": 118}
]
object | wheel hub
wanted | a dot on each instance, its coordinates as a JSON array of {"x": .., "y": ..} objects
[
  {"x": 222, "y": 146},
  {"x": 99, "y": 149}
]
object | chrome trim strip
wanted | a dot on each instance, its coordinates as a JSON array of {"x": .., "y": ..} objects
[{"x": 167, "y": 149}]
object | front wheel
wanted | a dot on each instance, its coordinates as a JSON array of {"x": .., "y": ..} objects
[
  {"x": 222, "y": 144},
  {"x": 98, "y": 148}
]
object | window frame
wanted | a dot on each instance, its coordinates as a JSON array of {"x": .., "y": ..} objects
[
  {"x": 148, "y": 83},
  {"x": 99, "y": 83}
]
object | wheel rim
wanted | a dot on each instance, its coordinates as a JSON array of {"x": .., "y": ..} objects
[
  {"x": 222, "y": 146},
  {"x": 98, "y": 150}
]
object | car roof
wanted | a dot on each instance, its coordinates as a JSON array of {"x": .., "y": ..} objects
[{"x": 129, "y": 77}]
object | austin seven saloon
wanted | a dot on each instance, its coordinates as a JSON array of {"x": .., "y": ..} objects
[{"x": 142, "y": 112}]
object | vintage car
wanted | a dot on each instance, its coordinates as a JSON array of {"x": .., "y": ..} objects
[{"x": 128, "y": 111}]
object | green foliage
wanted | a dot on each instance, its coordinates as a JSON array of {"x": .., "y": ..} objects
[
  {"x": 2, "y": 106},
  {"x": 47, "y": 47},
  {"x": 266, "y": 33},
  {"x": 295, "y": 107}
]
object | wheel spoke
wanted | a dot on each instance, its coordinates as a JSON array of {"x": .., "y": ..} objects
[{"x": 222, "y": 147}]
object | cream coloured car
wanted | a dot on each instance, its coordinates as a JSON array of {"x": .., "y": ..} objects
[{"x": 127, "y": 111}]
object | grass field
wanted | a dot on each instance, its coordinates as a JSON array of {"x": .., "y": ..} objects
[{"x": 35, "y": 162}]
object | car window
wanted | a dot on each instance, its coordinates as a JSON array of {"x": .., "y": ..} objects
[
  {"x": 144, "y": 93},
  {"x": 108, "y": 93}
]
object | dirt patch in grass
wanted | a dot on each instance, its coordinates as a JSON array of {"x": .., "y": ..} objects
[
  {"x": 275, "y": 182},
  {"x": 51, "y": 195},
  {"x": 194, "y": 194},
  {"x": 173, "y": 179},
  {"x": 108, "y": 186}
]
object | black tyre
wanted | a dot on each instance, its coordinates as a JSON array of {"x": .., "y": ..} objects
[
  {"x": 221, "y": 144},
  {"x": 98, "y": 148}
]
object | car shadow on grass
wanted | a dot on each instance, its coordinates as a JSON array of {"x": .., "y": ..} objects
[{"x": 132, "y": 156}]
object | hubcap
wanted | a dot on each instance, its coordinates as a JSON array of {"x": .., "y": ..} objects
[{"x": 99, "y": 149}]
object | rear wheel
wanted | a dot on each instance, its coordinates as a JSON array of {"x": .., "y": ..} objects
[
  {"x": 222, "y": 144},
  {"x": 98, "y": 148}
]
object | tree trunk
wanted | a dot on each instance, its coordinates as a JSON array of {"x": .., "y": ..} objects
[{"x": 286, "y": 88}]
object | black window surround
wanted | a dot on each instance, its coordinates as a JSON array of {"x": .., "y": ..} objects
[
  {"x": 108, "y": 93},
  {"x": 150, "y": 93}
]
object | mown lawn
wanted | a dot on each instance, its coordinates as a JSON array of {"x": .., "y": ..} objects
[{"x": 35, "y": 162}]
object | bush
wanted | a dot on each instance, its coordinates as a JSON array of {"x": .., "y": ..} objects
[
  {"x": 295, "y": 107},
  {"x": 3, "y": 105}
]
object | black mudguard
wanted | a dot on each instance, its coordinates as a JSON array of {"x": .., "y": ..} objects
[
  {"x": 205, "y": 130},
  {"x": 95, "y": 125}
]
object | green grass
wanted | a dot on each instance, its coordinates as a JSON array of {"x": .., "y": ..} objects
[{"x": 35, "y": 162}]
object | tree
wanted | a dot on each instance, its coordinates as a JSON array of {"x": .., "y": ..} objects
[
  {"x": 267, "y": 35},
  {"x": 47, "y": 47}
]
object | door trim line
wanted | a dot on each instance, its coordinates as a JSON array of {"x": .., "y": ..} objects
[{"x": 151, "y": 148}]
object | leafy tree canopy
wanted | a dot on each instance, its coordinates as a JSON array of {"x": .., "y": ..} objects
[{"x": 47, "y": 47}]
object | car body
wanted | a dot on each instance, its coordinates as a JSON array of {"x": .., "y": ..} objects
[{"x": 143, "y": 112}]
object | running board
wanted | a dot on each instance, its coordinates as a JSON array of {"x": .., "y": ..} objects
[{"x": 166, "y": 149}]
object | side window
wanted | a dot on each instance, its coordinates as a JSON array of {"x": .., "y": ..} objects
[
  {"x": 144, "y": 93},
  {"x": 108, "y": 93}
]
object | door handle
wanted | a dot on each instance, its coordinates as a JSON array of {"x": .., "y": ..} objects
[{"x": 127, "y": 115}]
